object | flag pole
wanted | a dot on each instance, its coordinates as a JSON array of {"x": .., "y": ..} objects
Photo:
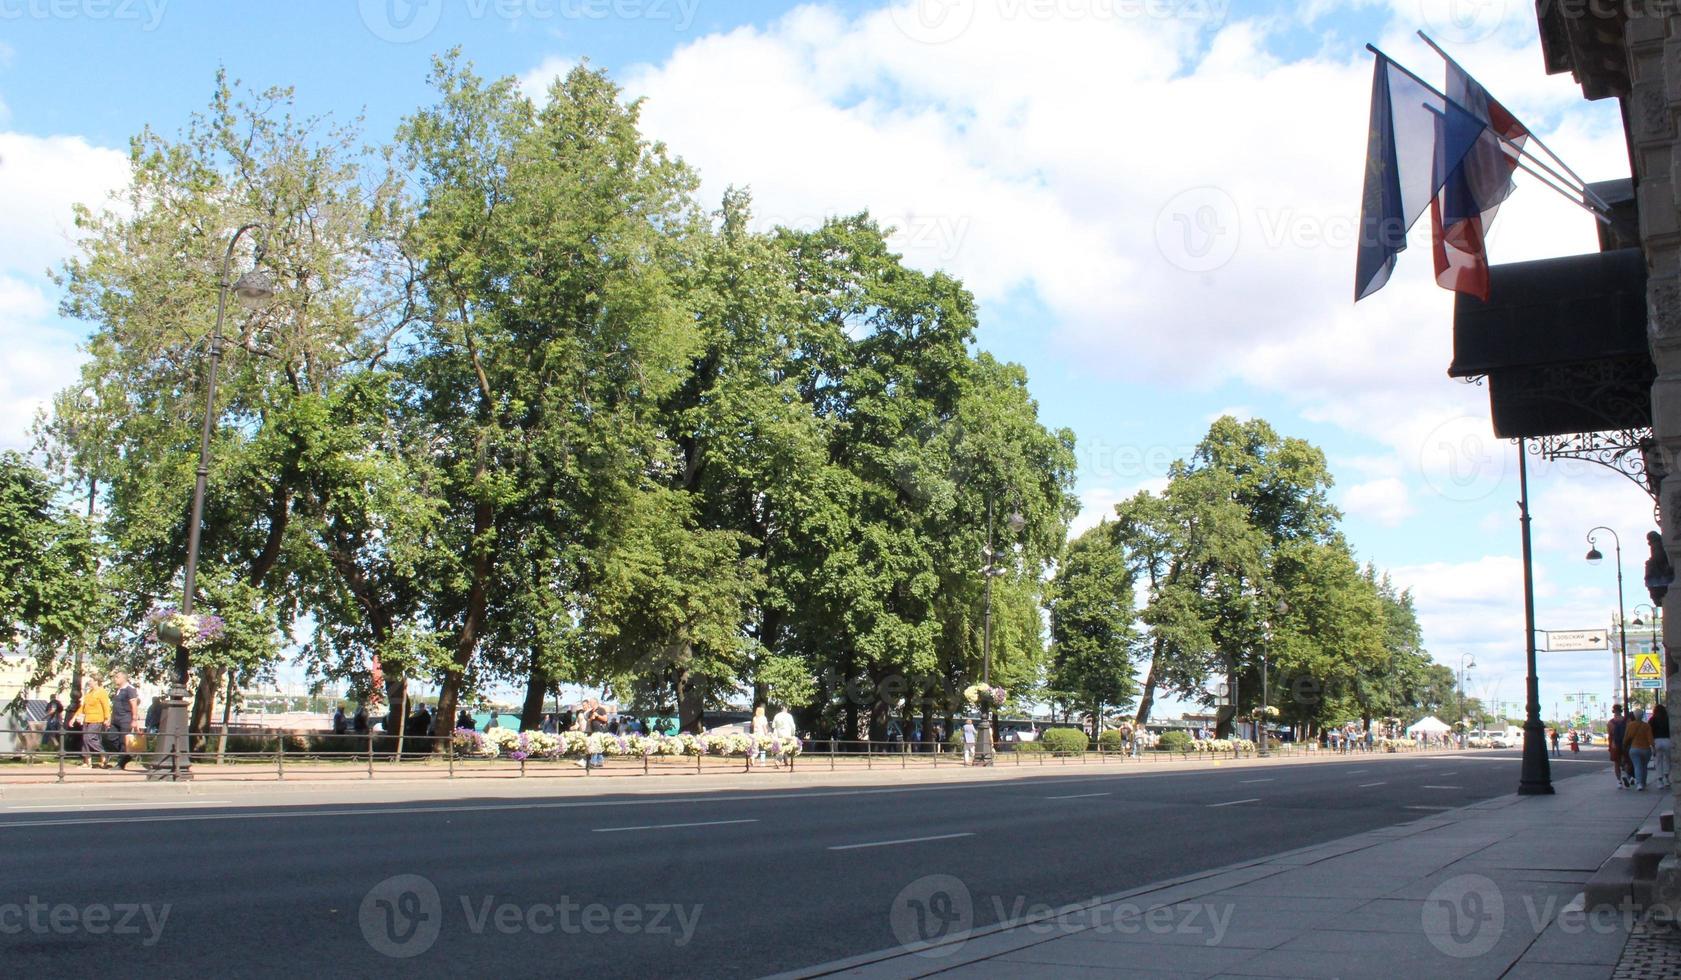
[
  {"x": 1571, "y": 194},
  {"x": 1595, "y": 206},
  {"x": 1588, "y": 191}
]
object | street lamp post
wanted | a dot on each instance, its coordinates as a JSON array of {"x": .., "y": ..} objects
[
  {"x": 991, "y": 570},
  {"x": 1594, "y": 558},
  {"x": 254, "y": 289},
  {"x": 1466, "y": 662},
  {"x": 1266, "y": 651}
]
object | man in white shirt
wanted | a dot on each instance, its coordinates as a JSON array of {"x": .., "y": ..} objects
[
  {"x": 969, "y": 742},
  {"x": 782, "y": 726}
]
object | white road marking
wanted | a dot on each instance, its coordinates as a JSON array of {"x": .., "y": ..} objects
[
  {"x": 1356, "y": 772},
  {"x": 1427, "y": 808},
  {"x": 890, "y": 843},
  {"x": 1444, "y": 787},
  {"x": 1266, "y": 780},
  {"x": 670, "y": 826},
  {"x": 1076, "y": 796},
  {"x": 1370, "y": 785},
  {"x": 1450, "y": 772},
  {"x": 1256, "y": 799}
]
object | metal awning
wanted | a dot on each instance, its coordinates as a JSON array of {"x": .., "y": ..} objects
[{"x": 1562, "y": 343}]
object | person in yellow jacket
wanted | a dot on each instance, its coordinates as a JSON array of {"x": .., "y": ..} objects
[
  {"x": 1637, "y": 740},
  {"x": 94, "y": 714}
]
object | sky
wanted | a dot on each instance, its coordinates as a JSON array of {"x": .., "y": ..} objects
[{"x": 1153, "y": 201}]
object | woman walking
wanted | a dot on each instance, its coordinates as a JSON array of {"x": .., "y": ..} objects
[
  {"x": 1637, "y": 740},
  {"x": 761, "y": 728},
  {"x": 1660, "y": 742}
]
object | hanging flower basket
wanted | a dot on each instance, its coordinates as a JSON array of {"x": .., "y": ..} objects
[
  {"x": 984, "y": 697},
  {"x": 167, "y": 624}
]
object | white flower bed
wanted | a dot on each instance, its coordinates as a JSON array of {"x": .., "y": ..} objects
[{"x": 508, "y": 744}]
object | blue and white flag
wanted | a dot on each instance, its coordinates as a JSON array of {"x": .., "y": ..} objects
[{"x": 1416, "y": 141}]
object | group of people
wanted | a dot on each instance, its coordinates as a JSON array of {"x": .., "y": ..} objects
[
  {"x": 108, "y": 723},
  {"x": 1635, "y": 742},
  {"x": 782, "y": 726}
]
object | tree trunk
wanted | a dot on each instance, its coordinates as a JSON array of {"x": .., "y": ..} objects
[
  {"x": 204, "y": 699},
  {"x": 536, "y": 688},
  {"x": 477, "y": 595},
  {"x": 1147, "y": 699}
]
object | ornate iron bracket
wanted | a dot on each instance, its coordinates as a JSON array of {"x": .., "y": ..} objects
[{"x": 1623, "y": 450}]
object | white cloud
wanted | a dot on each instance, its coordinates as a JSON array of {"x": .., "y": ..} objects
[
  {"x": 535, "y": 83},
  {"x": 40, "y": 179},
  {"x": 1386, "y": 501}
]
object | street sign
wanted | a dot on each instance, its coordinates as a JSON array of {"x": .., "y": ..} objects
[
  {"x": 1222, "y": 694},
  {"x": 1566, "y": 640},
  {"x": 1647, "y": 667},
  {"x": 1649, "y": 685}
]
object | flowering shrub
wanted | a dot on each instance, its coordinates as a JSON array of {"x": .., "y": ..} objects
[
  {"x": 984, "y": 697},
  {"x": 196, "y": 631},
  {"x": 473, "y": 744},
  {"x": 509, "y": 744}
]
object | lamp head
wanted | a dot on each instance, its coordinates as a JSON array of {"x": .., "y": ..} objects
[
  {"x": 1017, "y": 522},
  {"x": 254, "y": 290},
  {"x": 1594, "y": 557}
]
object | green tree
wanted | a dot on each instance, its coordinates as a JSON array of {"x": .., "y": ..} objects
[{"x": 1092, "y": 613}]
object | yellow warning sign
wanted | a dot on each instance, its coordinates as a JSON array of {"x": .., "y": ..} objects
[{"x": 1648, "y": 667}]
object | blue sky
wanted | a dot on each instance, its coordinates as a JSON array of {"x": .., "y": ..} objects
[{"x": 1151, "y": 198}]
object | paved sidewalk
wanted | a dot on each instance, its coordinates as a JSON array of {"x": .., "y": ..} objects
[
  {"x": 1482, "y": 891},
  {"x": 302, "y": 783}
]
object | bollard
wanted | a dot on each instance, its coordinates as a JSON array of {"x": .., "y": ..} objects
[
  {"x": 280, "y": 760},
  {"x": 61, "y": 756},
  {"x": 449, "y": 756},
  {"x": 370, "y": 755}
]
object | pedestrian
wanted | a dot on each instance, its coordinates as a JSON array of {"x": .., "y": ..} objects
[
  {"x": 359, "y": 721},
  {"x": 782, "y": 726},
  {"x": 154, "y": 715},
  {"x": 1637, "y": 740},
  {"x": 1614, "y": 730},
  {"x": 341, "y": 724},
  {"x": 93, "y": 714},
  {"x": 464, "y": 720},
  {"x": 1575, "y": 741},
  {"x": 125, "y": 716},
  {"x": 54, "y": 723},
  {"x": 1553, "y": 733},
  {"x": 968, "y": 741},
  {"x": 760, "y": 729},
  {"x": 1660, "y": 742}
]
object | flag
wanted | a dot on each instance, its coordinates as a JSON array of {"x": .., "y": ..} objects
[
  {"x": 1414, "y": 143},
  {"x": 1462, "y": 212}
]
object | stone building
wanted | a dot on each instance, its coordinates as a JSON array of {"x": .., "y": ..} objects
[{"x": 1630, "y": 50}]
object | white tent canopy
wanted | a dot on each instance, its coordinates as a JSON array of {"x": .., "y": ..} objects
[{"x": 1428, "y": 725}]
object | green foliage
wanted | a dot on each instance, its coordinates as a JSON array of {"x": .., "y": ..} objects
[
  {"x": 1029, "y": 748},
  {"x": 1111, "y": 740},
  {"x": 1174, "y": 740},
  {"x": 1064, "y": 740}
]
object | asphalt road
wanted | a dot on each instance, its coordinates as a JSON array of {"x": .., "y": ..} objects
[{"x": 701, "y": 884}]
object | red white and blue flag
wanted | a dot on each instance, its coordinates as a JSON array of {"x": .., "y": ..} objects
[
  {"x": 1416, "y": 140},
  {"x": 1461, "y": 213}
]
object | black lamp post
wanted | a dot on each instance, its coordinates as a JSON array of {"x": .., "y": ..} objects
[
  {"x": 253, "y": 291},
  {"x": 1266, "y": 651},
  {"x": 983, "y": 733},
  {"x": 1594, "y": 558},
  {"x": 1466, "y": 662}
]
